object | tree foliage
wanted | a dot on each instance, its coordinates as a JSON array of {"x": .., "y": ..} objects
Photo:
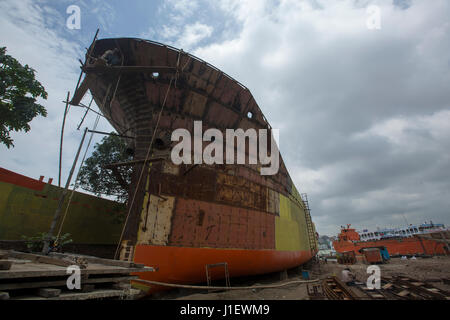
[
  {"x": 95, "y": 178},
  {"x": 18, "y": 93},
  {"x": 36, "y": 243}
]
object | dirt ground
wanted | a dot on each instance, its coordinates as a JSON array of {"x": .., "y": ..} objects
[
  {"x": 431, "y": 270},
  {"x": 424, "y": 269}
]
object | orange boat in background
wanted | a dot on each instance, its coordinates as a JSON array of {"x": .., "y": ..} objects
[{"x": 411, "y": 240}]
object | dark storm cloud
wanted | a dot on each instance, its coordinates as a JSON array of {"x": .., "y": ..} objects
[{"x": 361, "y": 112}]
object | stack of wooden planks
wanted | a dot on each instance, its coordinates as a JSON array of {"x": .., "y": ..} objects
[
  {"x": 405, "y": 288},
  {"x": 335, "y": 289},
  {"x": 28, "y": 276}
]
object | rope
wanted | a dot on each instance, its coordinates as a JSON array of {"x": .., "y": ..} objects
[
  {"x": 76, "y": 180},
  {"x": 164, "y": 284},
  {"x": 146, "y": 158}
]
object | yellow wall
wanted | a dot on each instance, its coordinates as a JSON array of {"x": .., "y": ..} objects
[
  {"x": 290, "y": 227},
  {"x": 27, "y": 212}
]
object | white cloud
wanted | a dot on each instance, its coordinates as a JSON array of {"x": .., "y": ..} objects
[
  {"x": 26, "y": 33},
  {"x": 184, "y": 7},
  {"x": 193, "y": 34}
]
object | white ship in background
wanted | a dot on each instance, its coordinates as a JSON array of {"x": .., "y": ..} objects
[{"x": 402, "y": 232}]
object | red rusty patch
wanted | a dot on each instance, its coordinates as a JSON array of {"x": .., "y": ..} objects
[{"x": 222, "y": 226}]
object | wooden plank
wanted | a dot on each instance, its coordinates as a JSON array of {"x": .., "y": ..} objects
[
  {"x": 33, "y": 270},
  {"x": 108, "y": 262},
  {"x": 96, "y": 294},
  {"x": 122, "y": 285},
  {"x": 387, "y": 286},
  {"x": 5, "y": 264},
  {"x": 82, "y": 89},
  {"x": 49, "y": 292},
  {"x": 87, "y": 288},
  {"x": 117, "y": 263},
  {"x": 41, "y": 259},
  {"x": 61, "y": 283},
  {"x": 17, "y": 261},
  {"x": 403, "y": 293}
]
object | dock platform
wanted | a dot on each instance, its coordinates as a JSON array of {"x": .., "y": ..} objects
[{"x": 29, "y": 276}]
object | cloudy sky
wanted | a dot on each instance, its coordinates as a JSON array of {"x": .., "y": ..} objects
[{"x": 363, "y": 112}]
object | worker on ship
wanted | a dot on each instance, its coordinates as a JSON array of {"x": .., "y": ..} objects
[
  {"x": 348, "y": 277},
  {"x": 111, "y": 57}
]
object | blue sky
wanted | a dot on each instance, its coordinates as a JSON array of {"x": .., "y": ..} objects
[
  {"x": 157, "y": 19},
  {"x": 363, "y": 113}
]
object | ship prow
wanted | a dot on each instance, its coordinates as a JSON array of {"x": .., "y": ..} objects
[{"x": 182, "y": 218}]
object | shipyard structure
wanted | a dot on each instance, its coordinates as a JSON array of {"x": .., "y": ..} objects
[{"x": 181, "y": 218}]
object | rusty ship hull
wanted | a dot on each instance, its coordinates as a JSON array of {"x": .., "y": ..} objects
[{"x": 184, "y": 217}]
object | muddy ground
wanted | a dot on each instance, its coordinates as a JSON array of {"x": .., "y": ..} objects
[{"x": 431, "y": 270}]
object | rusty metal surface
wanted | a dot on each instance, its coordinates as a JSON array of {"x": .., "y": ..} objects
[
  {"x": 239, "y": 204},
  {"x": 206, "y": 224}
]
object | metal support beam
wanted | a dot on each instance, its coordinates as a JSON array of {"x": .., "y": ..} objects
[
  {"x": 130, "y": 163},
  {"x": 111, "y": 134}
]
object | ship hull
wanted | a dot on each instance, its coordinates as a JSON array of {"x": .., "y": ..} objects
[
  {"x": 178, "y": 265},
  {"x": 405, "y": 246},
  {"x": 182, "y": 217}
]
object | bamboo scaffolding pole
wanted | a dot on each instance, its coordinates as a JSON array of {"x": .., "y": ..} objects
[{"x": 57, "y": 214}]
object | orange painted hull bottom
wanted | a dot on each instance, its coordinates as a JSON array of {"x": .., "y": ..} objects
[
  {"x": 395, "y": 247},
  {"x": 184, "y": 265}
]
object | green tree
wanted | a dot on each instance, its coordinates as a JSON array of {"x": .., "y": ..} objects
[
  {"x": 18, "y": 93},
  {"x": 94, "y": 177}
]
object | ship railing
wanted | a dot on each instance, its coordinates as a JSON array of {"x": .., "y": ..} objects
[{"x": 190, "y": 55}]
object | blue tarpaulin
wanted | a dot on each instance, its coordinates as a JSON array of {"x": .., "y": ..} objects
[{"x": 384, "y": 253}]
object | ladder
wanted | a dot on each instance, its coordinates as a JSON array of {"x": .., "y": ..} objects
[
  {"x": 215, "y": 265},
  {"x": 309, "y": 224}
]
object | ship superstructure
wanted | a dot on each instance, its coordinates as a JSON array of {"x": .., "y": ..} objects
[{"x": 401, "y": 232}]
